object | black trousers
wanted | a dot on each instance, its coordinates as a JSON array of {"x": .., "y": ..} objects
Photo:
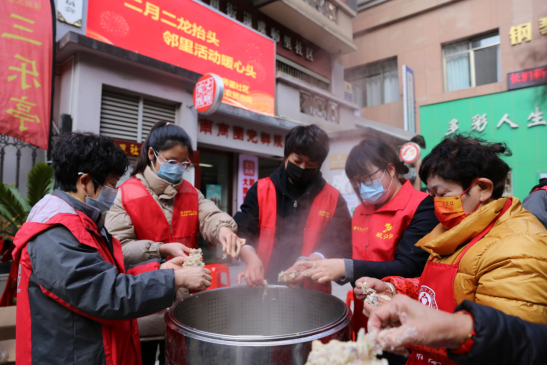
[{"x": 149, "y": 350}]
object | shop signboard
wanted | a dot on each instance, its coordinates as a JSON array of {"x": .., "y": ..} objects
[
  {"x": 408, "y": 99},
  {"x": 208, "y": 94},
  {"x": 132, "y": 149},
  {"x": 26, "y": 70},
  {"x": 516, "y": 117},
  {"x": 526, "y": 78},
  {"x": 248, "y": 174},
  {"x": 194, "y": 36},
  {"x": 241, "y": 136}
]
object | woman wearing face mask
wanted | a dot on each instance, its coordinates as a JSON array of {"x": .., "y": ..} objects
[
  {"x": 393, "y": 216},
  {"x": 487, "y": 248},
  {"x": 157, "y": 214}
]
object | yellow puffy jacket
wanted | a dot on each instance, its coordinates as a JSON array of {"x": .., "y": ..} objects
[{"x": 506, "y": 269}]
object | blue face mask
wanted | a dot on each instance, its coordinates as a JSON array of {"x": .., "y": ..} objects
[
  {"x": 172, "y": 173},
  {"x": 105, "y": 200},
  {"x": 375, "y": 193}
]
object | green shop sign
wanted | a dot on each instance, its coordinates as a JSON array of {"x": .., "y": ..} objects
[{"x": 516, "y": 117}]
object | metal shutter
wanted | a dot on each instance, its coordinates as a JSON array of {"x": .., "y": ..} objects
[
  {"x": 154, "y": 111},
  {"x": 119, "y": 116}
]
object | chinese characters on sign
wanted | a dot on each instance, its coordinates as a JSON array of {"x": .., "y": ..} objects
[
  {"x": 239, "y": 133},
  {"x": 191, "y": 35},
  {"x": 26, "y": 44},
  {"x": 520, "y": 33},
  {"x": 131, "y": 149},
  {"x": 523, "y": 32},
  {"x": 479, "y": 122},
  {"x": 526, "y": 78},
  {"x": 208, "y": 94},
  {"x": 248, "y": 174}
]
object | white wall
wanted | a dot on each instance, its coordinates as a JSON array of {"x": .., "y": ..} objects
[{"x": 91, "y": 72}]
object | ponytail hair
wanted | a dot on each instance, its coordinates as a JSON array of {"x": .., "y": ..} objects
[
  {"x": 162, "y": 136},
  {"x": 373, "y": 152}
]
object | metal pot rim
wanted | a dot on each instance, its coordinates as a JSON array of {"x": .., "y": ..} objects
[{"x": 187, "y": 330}]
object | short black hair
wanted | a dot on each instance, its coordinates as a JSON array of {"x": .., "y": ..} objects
[
  {"x": 89, "y": 153},
  {"x": 310, "y": 141},
  {"x": 375, "y": 152},
  {"x": 162, "y": 136},
  {"x": 463, "y": 158}
]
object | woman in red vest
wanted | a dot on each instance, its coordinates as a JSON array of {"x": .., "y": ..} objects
[
  {"x": 157, "y": 214},
  {"x": 393, "y": 216}
]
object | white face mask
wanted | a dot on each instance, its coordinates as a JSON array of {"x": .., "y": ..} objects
[{"x": 375, "y": 192}]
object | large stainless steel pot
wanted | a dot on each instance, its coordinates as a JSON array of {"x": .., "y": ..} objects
[{"x": 234, "y": 326}]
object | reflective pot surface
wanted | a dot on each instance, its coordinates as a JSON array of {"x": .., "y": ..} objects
[{"x": 236, "y": 326}]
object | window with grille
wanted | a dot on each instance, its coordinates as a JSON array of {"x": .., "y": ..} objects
[
  {"x": 471, "y": 63},
  {"x": 303, "y": 76},
  {"x": 374, "y": 84},
  {"x": 366, "y": 4},
  {"x": 130, "y": 117}
]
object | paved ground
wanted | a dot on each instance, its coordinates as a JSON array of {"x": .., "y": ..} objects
[{"x": 338, "y": 291}]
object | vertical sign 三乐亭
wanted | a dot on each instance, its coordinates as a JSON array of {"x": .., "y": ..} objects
[
  {"x": 248, "y": 174},
  {"x": 409, "y": 99},
  {"x": 26, "y": 69}
]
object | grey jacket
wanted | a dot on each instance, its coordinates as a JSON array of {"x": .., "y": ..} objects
[
  {"x": 536, "y": 204},
  {"x": 89, "y": 285}
]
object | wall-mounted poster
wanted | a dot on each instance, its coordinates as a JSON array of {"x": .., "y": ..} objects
[{"x": 214, "y": 193}]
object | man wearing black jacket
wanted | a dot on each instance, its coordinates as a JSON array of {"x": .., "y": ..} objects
[{"x": 299, "y": 190}]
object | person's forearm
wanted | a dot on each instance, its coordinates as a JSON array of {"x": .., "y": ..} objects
[{"x": 248, "y": 255}]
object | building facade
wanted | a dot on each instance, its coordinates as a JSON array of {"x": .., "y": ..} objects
[
  {"x": 123, "y": 65},
  {"x": 475, "y": 66}
]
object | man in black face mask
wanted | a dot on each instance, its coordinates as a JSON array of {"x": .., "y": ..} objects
[{"x": 294, "y": 215}]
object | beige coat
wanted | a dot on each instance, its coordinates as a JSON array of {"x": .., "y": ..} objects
[{"x": 119, "y": 224}]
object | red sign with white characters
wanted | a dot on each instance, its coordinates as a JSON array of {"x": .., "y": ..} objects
[
  {"x": 526, "y": 78},
  {"x": 410, "y": 152},
  {"x": 208, "y": 94},
  {"x": 26, "y": 65},
  {"x": 191, "y": 35}
]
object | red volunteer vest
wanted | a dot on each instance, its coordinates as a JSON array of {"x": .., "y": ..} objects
[
  {"x": 149, "y": 220},
  {"x": 376, "y": 233},
  {"x": 120, "y": 337},
  {"x": 321, "y": 212}
]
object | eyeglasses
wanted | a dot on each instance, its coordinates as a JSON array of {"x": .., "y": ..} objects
[
  {"x": 366, "y": 180},
  {"x": 185, "y": 165}
]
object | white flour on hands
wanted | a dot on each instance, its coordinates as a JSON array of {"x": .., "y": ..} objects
[{"x": 362, "y": 352}]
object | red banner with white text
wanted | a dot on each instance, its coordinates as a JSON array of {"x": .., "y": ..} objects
[
  {"x": 26, "y": 69},
  {"x": 193, "y": 36}
]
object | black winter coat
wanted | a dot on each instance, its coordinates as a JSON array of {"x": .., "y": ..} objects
[
  {"x": 502, "y": 339},
  {"x": 293, "y": 207}
]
